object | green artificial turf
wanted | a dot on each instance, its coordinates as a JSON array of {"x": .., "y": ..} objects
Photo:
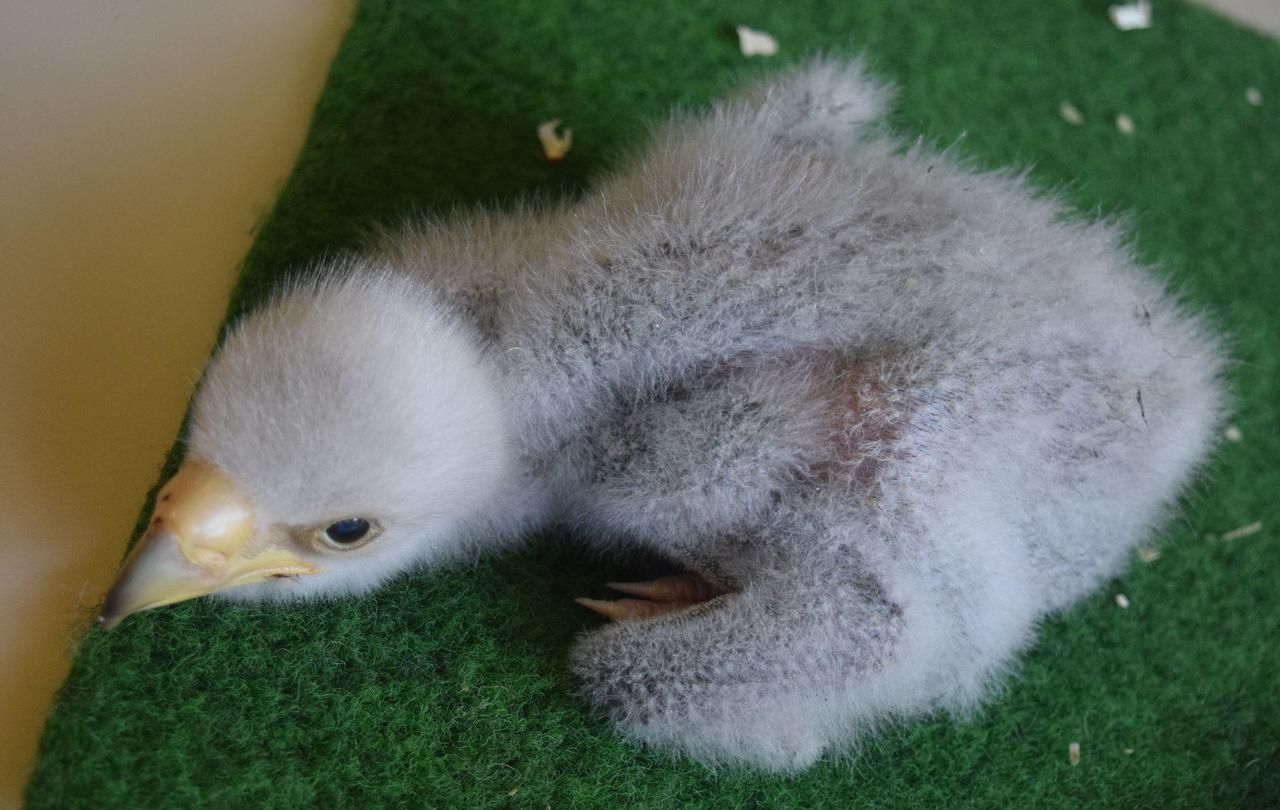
[{"x": 450, "y": 689}]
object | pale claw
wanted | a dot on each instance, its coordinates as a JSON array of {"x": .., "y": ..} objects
[
  {"x": 624, "y": 609},
  {"x": 675, "y": 588},
  {"x": 659, "y": 597}
]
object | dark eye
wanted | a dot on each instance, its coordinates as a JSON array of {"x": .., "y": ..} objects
[{"x": 345, "y": 532}]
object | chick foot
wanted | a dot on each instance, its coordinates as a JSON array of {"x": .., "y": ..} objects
[{"x": 657, "y": 597}]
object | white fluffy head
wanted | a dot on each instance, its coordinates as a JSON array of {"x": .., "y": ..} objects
[{"x": 354, "y": 396}]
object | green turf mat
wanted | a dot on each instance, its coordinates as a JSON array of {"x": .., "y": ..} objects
[{"x": 450, "y": 689}]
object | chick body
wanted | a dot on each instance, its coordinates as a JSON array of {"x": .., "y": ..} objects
[{"x": 898, "y": 409}]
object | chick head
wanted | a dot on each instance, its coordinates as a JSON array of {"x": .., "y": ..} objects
[{"x": 342, "y": 434}]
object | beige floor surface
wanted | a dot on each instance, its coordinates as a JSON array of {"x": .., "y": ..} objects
[{"x": 140, "y": 140}]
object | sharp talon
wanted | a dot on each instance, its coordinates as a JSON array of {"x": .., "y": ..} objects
[
  {"x": 675, "y": 588},
  {"x": 598, "y": 605},
  {"x": 625, "y": 609}
]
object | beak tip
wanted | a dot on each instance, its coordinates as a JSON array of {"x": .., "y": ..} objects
[{"x": 106, "y": 621}]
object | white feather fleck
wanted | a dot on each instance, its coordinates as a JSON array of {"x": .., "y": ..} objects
[
  {"x": 1131, "y": 16},
  {"x": 756, "y": 43},
  {"x": 1244, "y": 531},
  {"x": 554, "y": 145}
]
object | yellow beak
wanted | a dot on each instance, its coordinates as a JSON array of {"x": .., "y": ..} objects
[{"x": 197, "y": 543}]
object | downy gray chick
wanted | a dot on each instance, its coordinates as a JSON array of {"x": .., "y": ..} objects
[{"x": 885, "y": 412}]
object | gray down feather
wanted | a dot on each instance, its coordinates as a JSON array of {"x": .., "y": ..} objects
[{"x": 898, "y": 409}]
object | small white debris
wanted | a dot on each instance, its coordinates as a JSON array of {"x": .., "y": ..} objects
[
  {"x": 1243, "y": 531},
  {"x": 756, "y": 43},
  {"x": 1232, "y": 434},
  {"x": 1122, "y": 600},
  {"x": 1073, "y": 752},
  {"x": 1254, "y": 96},
  {"x": 1131, "y": 16},
  {"x": 1128, "y": 750},
  {"x": 1070, "y": 114},
  {"x": 554, "y": 146},
  {"x": 1148, "y": 554},
  {"x": 1125, "y": 124},
  {"x": 513, "y": 791}
]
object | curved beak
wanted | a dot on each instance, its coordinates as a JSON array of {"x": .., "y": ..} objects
[{"x": 197, "y": 543}]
